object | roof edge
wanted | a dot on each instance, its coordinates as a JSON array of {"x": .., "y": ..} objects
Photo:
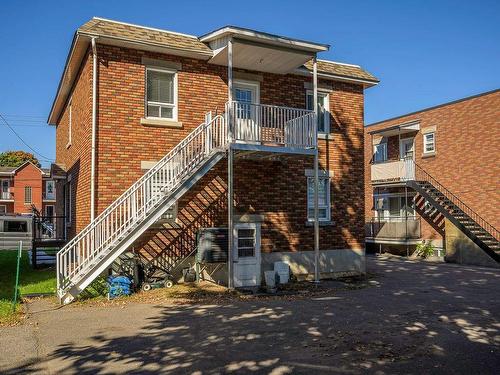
[{"x": 435, "y": 107}]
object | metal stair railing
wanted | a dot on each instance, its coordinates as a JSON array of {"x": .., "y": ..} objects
[
  {"x": 422, "y": 175},
  {"x": 134, "y": 205}
]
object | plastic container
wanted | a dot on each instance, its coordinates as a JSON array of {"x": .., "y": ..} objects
[
  {"x": 270, "y": 277},
  {"x": 283, "y": 270}
]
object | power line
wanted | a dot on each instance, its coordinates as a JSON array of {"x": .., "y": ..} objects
[{"x": 23, "y": 141}]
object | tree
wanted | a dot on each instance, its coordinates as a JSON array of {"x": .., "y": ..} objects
[{"x": 16, "y": 158}]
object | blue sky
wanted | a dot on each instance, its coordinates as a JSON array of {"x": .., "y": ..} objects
[{"x": 424, "y": 52}]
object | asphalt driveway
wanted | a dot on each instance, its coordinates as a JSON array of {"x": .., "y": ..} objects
[{"x": 413, "y": 317}]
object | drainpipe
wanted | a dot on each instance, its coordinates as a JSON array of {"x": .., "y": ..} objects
[{"x": 94, "y": 120}]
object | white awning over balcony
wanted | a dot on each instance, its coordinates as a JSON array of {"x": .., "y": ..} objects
[{"x": 263, "y": 52}]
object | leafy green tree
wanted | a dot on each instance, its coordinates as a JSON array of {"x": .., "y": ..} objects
[{"x": 16, "y": 158}]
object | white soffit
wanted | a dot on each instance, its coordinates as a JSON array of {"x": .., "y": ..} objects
[
  {"x": 399, "y": 129},
  {"x": 262, "y": 58}
]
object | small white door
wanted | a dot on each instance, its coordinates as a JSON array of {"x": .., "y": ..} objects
[
  {"x": 246, "y": 255},
  {"x": 247, "y": 96}
]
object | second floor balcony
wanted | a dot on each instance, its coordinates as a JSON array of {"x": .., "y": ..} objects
[
  {"x": 393, "y": 171},
  {"x": 262, "y": 127}
]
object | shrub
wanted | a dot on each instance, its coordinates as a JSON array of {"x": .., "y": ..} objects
[{"x": 425, "y": 249}]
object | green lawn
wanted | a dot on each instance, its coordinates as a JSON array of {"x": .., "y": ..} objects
[{"x": 30, "y": 281}]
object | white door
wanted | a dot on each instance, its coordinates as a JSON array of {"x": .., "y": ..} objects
[
  {"x": 406, "y": 148},
  {"x": 246, "y": 255},
  {"x": 247, "y": 96}
]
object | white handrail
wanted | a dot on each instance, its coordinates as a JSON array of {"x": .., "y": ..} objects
[
  {"x": 272, "y": 125},
  {"x": 133, "y": 206}
]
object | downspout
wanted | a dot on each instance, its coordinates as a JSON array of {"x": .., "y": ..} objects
[{"x": 94, "y": 121}]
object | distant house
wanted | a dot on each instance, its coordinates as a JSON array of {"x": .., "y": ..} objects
[
  {"x": 434, "y": 176},
  {"x": 25, "y": 187}
]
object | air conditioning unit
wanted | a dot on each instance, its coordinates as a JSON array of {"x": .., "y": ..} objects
[{"x": 212, "y": 245}]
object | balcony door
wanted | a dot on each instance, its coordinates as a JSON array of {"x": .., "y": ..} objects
[
  {"x": 247, "y": 95},
  {"x": 406, "y": 149},
  {"x": 5, "y": 189}
]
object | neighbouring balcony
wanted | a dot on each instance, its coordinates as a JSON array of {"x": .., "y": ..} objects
[
  {"x": 393, "y": 228},
  {"x": 6, "y": 195},
  {"x": 393, "y": 171},
  {"x": 272, "y": 128}
]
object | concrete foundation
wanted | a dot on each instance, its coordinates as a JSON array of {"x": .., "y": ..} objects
[
  {"x": 461, "y": 249},
  {"x": 333, "y": 263}
]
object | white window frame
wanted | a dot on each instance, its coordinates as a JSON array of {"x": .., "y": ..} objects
[
  {"x": 47, "y": 183},
  {"x": 8, "y": 188},
  {"x": 29, "y": 189},
  {"x": 326, "y": 94},
  {"x": 385, "y": 210},
  {"x": 427, "y": 142},
  {"x": 70, "y": 122},
  {"x": 384, "y": 154},
  {"x": 246, "y": 84},
  {"x": 4, "y": 207},
  {"x": 174, "y": 106},
  {"x": 327, "y": 206}
]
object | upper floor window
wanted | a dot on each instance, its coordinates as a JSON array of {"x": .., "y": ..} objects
[
  {"x": 323, "y": 110},
  {"x": 161, "y": 94},
  {"x": 429, "y": 143},
  {"x": 323, "y": 198},
  {"x": 50, "y": 190},
  {"x": 27, "y": 194},
  {"x": 380, "y": 152}
]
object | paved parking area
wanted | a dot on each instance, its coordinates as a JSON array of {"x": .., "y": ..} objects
[{"x": 414, "y": 317}]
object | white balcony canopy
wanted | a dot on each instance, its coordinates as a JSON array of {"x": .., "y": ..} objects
[
  {"x": 401, "y": 129},
  {"x": 253, "y": 50}
]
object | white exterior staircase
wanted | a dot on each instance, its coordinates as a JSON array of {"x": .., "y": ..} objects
[{"x": 95, "y": 248}]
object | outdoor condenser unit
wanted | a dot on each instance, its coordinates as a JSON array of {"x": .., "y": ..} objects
[{"x": 212, "y": 245}]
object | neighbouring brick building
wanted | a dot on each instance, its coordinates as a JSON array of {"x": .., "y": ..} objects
[
  {"x": 434, "y": 175},
  {"x": 153, "y": 89},
  {"x": 26, "y": 186}
]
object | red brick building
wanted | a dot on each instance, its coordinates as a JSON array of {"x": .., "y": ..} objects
[
  {"x": 434, "y": 175},
  {"x": 24, "y": 186},
  {"x": 130, "y": 104}
]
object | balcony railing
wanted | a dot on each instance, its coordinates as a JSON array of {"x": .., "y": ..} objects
[
  {"x": 393, "y": 171},
  {"x": 270, "y": 125},
  {"x": 394, "y": 228},
  {"x": 5, "y": 195}
]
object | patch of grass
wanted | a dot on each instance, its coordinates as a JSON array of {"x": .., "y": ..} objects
[{"x": 30, "y": 281}]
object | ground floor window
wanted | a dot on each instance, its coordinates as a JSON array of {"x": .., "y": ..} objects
[
  {"x": 323, "y": 198},
  {"x": 3, "y": 209},
  {"x": 394, "y": 206}
]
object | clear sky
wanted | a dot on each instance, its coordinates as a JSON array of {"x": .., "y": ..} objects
[{"x": 424, "y": 52}]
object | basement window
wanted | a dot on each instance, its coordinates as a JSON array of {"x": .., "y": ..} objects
[{"x": 161, "y": 94}]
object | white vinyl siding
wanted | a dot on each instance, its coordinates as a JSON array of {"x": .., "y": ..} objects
[
  {"x": 429, "y": 143},
  {"x": 323, "y": 198},
  {"x": 161, "y": 94}
]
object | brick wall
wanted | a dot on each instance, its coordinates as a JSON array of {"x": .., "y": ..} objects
[
  {"x": 31, "y": 176},
  {"x": 466, "y": 160},
  {"x": 76, "y": 157},
  {"x": 276, "y": 189}
]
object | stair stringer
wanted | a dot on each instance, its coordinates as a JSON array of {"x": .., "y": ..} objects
[{"x": 416, "y": 186}]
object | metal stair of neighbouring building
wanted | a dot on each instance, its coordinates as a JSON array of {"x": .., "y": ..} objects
[
  {"x": 454, "y": 209},
  {"x": 111, "y": 233}
]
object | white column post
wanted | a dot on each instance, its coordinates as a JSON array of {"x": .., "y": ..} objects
[
  {"x": 230, "y": 166},
  {"x": 316, "y": 179}
]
